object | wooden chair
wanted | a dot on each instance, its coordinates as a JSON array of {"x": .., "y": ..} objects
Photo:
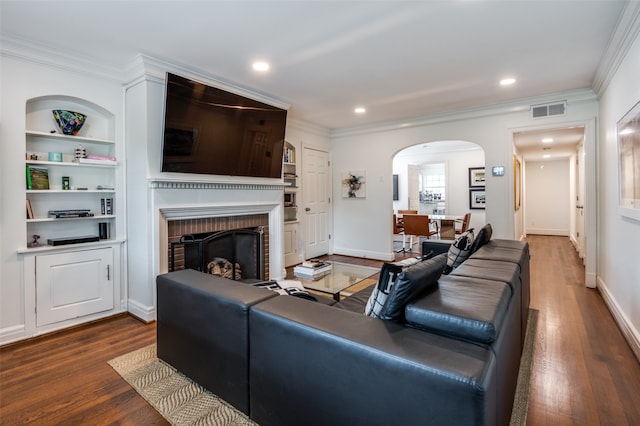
[
  {"x": 403, "y": 212},
  {"x": 398, "y": 229},
  {"x": 465, "y": 224},
  {"x": 419, "y": 225}
]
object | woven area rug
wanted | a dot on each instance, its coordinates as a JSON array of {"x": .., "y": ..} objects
[
  {"x": 183, "y": 402},
  {"x": 521, "y": 399},
  {"x": 173, "y": 395}
]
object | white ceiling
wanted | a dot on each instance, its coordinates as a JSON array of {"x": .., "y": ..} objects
[{"x": 399, "y": 59}]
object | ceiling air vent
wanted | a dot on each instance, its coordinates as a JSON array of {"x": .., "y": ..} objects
[{"x": 548, "y": 110}]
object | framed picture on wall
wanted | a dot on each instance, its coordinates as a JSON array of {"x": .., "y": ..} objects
[
  {"x": 476, "y": 177},
  {"x": 628, "y": 130},
  {"x": 477, "y": 198}
]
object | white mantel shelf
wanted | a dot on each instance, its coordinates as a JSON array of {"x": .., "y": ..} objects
[{"x": 195, "y": 184}]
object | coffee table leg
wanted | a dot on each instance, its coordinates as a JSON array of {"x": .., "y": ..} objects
[{"x": 336, "y": 296}]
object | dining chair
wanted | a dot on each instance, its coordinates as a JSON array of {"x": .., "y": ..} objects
[
  {"x": 419, "y": 225},
  {"x": 403, "y": 212},
  {"x": 398, "y": 229},
  {"x": 465, "y": 224}
]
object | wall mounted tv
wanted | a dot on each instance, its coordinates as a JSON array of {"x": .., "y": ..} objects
[{"x": 214, "y": 132}]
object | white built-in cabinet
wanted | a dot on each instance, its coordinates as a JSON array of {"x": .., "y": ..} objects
[
  {"x": 292, "y": 251},
  {"x": 67, "y": 284}
]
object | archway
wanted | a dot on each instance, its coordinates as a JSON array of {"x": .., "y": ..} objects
[{"x": 434, "y": 178}]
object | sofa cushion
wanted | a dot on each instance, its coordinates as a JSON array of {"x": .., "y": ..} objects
[
  {"x": 410, "y": 283},
  {"x": 459, "y": 251},
  {"x": 388, "y": 276},
  {"x": 483, "y": 237},
  {"x": 462, "y": 307}
]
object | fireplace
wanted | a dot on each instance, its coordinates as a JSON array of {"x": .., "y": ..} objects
[{"x": 237, "y": 253}]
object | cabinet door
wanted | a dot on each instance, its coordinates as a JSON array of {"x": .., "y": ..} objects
[
  {"x": 290, "y": 244},
  {"x": 74, "y": 284}
]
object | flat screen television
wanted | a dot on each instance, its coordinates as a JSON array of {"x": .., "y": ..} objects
[{"x": 210, "y": 131}]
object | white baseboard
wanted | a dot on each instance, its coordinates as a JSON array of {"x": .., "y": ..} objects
[
  {"x": 626, "y": 327},
  {"x": 12, "y": 334},
  {"x": 145, "y": 313},
  {"x": 364, "y": 254},
  {"x": 542, "y": 231}
]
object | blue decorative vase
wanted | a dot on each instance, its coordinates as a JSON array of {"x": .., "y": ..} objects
[{"x": 70, "y": 122}]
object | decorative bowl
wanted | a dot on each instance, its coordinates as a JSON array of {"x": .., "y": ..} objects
[{"x": 70, "y": 122}]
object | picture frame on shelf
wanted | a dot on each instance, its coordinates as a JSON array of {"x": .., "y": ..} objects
[
  {"x": 477, "y": 199},
  {"x": 476, "y": 177},
  {"x": 628, "y": 138}
]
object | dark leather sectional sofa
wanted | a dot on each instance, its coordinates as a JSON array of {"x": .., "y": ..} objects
[{"x": 283, "y": 360}]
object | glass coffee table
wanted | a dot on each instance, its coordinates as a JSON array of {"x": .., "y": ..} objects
[{"x": 341, "y": 277}]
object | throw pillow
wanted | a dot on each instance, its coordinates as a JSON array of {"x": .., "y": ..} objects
[
  {"x": 483, "y": 237},
  {"x": 459, "y": 251},
  {"x": 388, "y": 275},
  {"x": 411, "y": 283}
]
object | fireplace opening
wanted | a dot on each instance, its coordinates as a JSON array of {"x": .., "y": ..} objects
[{"x": 237, "y": 254}]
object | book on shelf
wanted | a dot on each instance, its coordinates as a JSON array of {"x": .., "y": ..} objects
[
  {"x": 29, "y": 210},
  {"x": 37, "y": 177},
  {"x": 101, "y": 161},
  {"x": 289, "y": 155},
  {"x": 106, "y": 205}
]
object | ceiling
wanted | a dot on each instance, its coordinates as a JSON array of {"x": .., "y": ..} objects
[{"x": 398, "y": 59}]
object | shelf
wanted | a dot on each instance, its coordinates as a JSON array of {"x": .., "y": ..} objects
[
  {"x": 70, "y": 191},
  {"x": 69, "y": 138},
  {"x": 46, "y": 248},
  {"x": 67, "y": 219},
  {"x": 66, "y": 164}
]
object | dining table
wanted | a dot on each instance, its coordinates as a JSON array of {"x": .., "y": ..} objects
[{"x": 446, "y": 225}]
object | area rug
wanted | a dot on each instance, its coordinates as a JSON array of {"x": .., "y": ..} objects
[
  {"x": 521, "y": 399},
  {"x": 173, "y": 395},
  {"x": 183, "y": 402}
]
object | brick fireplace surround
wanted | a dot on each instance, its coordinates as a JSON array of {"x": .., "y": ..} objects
[{"x": 177, "y": 228}]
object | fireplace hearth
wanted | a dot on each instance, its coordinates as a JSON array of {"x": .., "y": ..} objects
[{"x": 236, "y": 253}]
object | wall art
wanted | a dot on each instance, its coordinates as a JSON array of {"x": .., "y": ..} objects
[
  {"x": 476, "y": 177},
  {"x": 629, "y": 163},
  {"x": 477, "y": 198},
  {"x": 354, "y": 185}
]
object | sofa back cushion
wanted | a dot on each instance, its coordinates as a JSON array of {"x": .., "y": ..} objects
[
  {"x": 483, "y": 237},
  {"x": 410, "y": 283},
  {"x": 460, "y": 250}
]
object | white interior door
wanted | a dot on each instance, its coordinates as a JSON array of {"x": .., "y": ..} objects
[{"x": 316, "y": 190}]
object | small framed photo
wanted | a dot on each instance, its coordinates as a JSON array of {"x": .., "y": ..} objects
[
  {"x": 476, "y": 177},
  {"x": 477, "y": 198}
]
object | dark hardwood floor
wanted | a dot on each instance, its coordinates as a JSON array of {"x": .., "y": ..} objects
[{"x": 584, "y": 372}]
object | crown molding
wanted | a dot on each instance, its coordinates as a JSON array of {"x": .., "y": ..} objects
[
  {"x": 519, "y": 105},
  {"x": 308, "y": 127},
  {"x": 145, "y": 67},
  {"x": 621, "y": 40},
  {"x": 13, "y": 47}
]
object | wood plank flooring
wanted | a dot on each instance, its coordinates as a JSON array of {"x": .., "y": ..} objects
[{"x": 584, "y": 372}]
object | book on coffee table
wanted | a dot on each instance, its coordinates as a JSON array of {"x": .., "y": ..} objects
[{"x": 305, "y": 270}]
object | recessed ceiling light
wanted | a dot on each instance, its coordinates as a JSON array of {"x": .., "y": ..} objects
[
  {"x": 359, "y": 110},
  {"x": 546, "y": 156},
  {"x": 261, "y": 66},
  {"x": 547, "y": 140},
  {"x": 507, "y": 81}
]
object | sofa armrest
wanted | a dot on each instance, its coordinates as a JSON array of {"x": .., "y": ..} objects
[
  {"x": 309, "y": 361},
  {"x": 202, "y": 330}
]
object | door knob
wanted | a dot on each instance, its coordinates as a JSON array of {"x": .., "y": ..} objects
[{"x": 307, "y": 209}]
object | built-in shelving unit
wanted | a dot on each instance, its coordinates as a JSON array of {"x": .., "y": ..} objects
[
  {"x": 73, "y": 198},
  {"x": 48, "y": 149},
  {"x": 291, "y": 219}
]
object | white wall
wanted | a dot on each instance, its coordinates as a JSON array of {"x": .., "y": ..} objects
[
  {"x": 618, "y": 251},
  {"x": 23, "y": 80},
  {"x": 547, "y": 197},
  {"x": 357, "y": 221}
]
